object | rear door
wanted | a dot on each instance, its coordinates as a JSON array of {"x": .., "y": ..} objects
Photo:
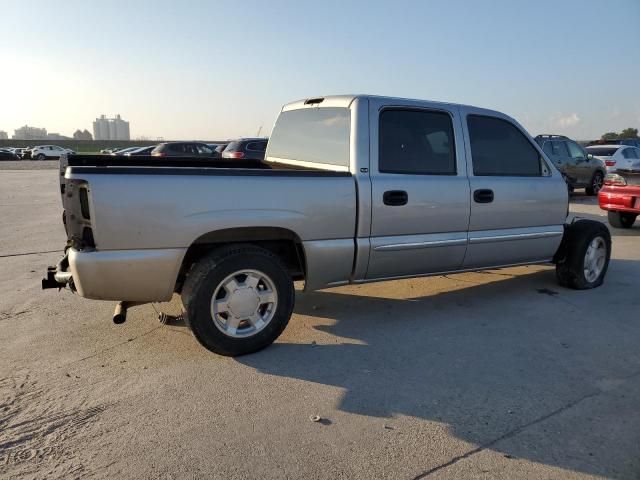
[
  {"x": 420, "y": 190},
  {"x": 518, "y": 202}
]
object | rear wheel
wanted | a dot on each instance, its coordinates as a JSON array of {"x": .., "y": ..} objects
[
  {"x": 587, "y": 250},
  {"x": 238, "y": 299},
  {"x": 621, "y": 219},
  {"x": 40, "y": 156},
  {"x": 596, "y": 184}
]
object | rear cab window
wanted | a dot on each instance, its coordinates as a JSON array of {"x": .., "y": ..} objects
[
  {"x": 315, "y": 136},
  {"x": 499, "y": 148}
]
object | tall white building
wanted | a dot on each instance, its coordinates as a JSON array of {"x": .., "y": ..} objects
[{"x": 111, "y": 128}]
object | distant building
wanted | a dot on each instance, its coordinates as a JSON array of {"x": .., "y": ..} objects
[
  {"x": 30, "y": 133},
  {"x": 56, "y": 136},
  {"x": 82, "y": 135},
  {"x": 3, "y": 135},
  {"x": 111, "y": 128}
]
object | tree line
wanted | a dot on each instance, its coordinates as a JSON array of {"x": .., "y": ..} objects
[{"x": 626, "y": 133}]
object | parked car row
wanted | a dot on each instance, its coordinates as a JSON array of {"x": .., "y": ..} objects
[
  {"x": 39, "y": 152},
  {"x": 244, "y": 148}
]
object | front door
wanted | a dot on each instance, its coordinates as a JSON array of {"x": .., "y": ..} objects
[
  {"x": 420, "y": 190},
  {"x": 518, "y": 202},
  {"x": 580, "y": 166}
]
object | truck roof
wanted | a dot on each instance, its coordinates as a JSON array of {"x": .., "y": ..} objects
[{"x": 346, "y": 100}]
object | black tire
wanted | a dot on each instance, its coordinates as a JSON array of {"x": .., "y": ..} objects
[
  {"x": 41, "y": 156},
  {"x": 621, "y": 219},
  {"x": 208, "y": 273},
  {"x": 596, "y": 184},
  {"x": 577, "y": 238}
]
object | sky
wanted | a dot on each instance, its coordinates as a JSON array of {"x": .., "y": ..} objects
[{"x": 221, "y": 69}]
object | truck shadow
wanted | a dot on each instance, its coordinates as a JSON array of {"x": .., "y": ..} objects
[{"x": 486, "y": 359}]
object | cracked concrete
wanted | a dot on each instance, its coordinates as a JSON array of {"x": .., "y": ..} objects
[{"x": 477, "y": 375}]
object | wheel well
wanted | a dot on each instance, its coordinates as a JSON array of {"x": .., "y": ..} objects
[{"x": 280, "y": 241}]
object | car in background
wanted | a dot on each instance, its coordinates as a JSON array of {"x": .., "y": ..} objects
[
  {"x": 107, "y": 151},
  {"x": 6, "y": 154},
  {"x": 615, "y": 156},
  {"x": 218, "y": 148},
  {"x": 620, "y": 196},
  {"x": 182, "y": 149},
  {"x": 631, "y": 142},
  {"x": 123, "y": 151},
  {"x": 19, "y": 152},
  {"x": 140, "y": 151},
  {"x": 26, "y": 153},
  {"x": 246, "y": 149},
  {"x": 44, "y": 152},
  {"x": 578, "y": 167}
]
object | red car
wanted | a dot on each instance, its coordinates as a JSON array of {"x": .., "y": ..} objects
[{"x": 620, "y": 196}]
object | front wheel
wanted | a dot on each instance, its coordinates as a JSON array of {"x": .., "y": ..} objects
[
  {"x": 41, "y": 156},
  {"x": 238, "y": 299},
  {"x": 587, "y": 250},
  {"x": 621, "y": 219},
  {"x": 596, "y": 184}
]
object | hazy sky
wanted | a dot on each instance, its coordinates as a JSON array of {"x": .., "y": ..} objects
[{"x": 215, "y": 70}]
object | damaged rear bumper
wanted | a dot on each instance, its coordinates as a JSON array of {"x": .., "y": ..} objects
[{"x": 143, "y": 275}]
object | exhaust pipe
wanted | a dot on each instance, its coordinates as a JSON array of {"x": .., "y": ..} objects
[{"x": 120, "y": 313}]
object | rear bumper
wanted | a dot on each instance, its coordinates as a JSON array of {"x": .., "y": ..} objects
[
  {"x": 620, "y": 199},
  {"x": 122, "y": 275}
]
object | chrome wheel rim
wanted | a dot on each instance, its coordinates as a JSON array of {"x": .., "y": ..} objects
[
  {"x": 594, "y": 259},
  {"x": 244, "y": 303},
  {"x": 597, "y": 183}
]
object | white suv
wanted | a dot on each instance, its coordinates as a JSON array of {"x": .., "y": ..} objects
[{"x": 43, "y": 152}]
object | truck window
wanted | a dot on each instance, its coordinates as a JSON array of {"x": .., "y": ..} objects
[
  {"x": 315, "y": 135},
  {"x": 498, "y": 148},
  {"x": 417, "y": 142}
]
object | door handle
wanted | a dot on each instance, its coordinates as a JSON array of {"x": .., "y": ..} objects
[
  {"x": 483, "y": 195},
  {"x": 395, "y": 198}
]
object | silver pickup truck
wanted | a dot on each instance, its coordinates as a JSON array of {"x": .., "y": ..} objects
[{"x": 353, "y": 189}]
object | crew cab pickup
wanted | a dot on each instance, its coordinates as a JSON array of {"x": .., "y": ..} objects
[{"x": 353, "y": 189}]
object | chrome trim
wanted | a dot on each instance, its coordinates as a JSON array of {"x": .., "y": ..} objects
[
  {"x": 415, "y": 245},
  {"x": 517, "y": 236}
]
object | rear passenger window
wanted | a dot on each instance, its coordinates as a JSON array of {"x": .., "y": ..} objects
[
  {"x": 498, "y": 148},
  {"x": 415, "y": 141},
  {"x": 559, "y": 149}
]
